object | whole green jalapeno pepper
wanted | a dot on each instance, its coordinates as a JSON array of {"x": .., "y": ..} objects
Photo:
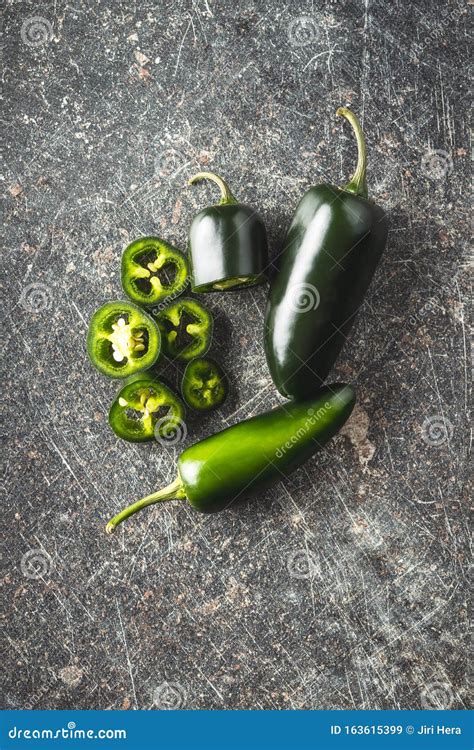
[
  {"x": 331, "y": 251},
  {"x": 144, "y": 409},
  {"x": 152, "y": 271},
  {"x": 253, "y": 454},
  {"x": 122, "y": 339},
  {"x": 186, "y": 329},
  {"x": 204, "y": 385},
  {"x": 228, "y": 244}
]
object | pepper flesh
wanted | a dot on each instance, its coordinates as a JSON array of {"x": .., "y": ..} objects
[
  {"x": 204, "y": 385},
  {"x": 144, "y": 409},
  {"x": 228, "y": 243},
  {"x": 186, "y": 329},
  {"x": 122, "y": 339},
  {"x": 330, "y": 254},
  {"x": 253, "y": 454},
  {"x": 152, "y": 271}
]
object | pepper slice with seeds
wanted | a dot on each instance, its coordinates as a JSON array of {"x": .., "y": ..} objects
[
  {"x": 145, "y": 408},
  {"x": 122, "y": 339},
  {"x": 152, "y": 271},
  {"x": 204, "y": 385},
  {"x": 186, "y": 329}
]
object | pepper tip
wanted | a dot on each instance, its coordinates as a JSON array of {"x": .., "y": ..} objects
[{"x": 110, "y": 528}]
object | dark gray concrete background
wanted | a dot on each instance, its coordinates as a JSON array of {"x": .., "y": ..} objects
[{"x": 344, "y": 587}]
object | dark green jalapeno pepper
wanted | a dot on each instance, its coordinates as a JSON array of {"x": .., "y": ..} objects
[
  {"x": 153, "y": 271},
  {"x": 144, "y": 409},
  {"x": 253, "y": 454},
  {"x": 122, "y": 339},
  {"x": 204, "y": 385},
  {"x": 330, "y": 254},
  {"x": 228, "y": 244},
  {"x": 186, "y": 329}
]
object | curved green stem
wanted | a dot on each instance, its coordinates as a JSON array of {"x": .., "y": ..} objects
[
  {"x": 358, "y": 182},
  {"x": 174, "y": 491},
  {"x": 226, "y": 195}
]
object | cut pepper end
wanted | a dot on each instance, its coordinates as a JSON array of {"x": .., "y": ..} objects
[{"x": 234, "y": 283}]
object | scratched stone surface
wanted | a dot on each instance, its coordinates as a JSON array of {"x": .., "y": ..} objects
[{"x": 345, "y": 586}]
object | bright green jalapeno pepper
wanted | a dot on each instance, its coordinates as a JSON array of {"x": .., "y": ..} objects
[
  {"x": 186, "y": 329},
  {"x": 152, "y": 271},
  {"x": 122, "y": 339},
  {"x": 144, "y": 409},
  {"x": 204, "y": 385},
  {"x": 252, "y": 455}
]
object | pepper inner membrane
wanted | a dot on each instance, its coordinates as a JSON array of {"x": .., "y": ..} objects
[
  {"x": 206, "y": 387},
  {"x": 236, "y": 281},
  {"x": 126, "y": 340},
  {"x": 167, "y": 274},
  {"x": 178, "y": 336},
  {"x": 146, "y": 407}
]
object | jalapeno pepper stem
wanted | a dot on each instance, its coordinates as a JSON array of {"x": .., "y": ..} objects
[
  {"x": 173, "y": 491},
  {"x": 358, "y": 182},
  {"x": 226, "y": 195}
]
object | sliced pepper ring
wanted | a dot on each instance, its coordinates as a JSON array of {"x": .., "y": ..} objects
[
  {"x": 145, "y": 408},
  {"x": 186, "y": 329},
  {"x": 122, "y": 339},
  {"x": 204, "y": 385},
  {"x": 153, "y": 270}
]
